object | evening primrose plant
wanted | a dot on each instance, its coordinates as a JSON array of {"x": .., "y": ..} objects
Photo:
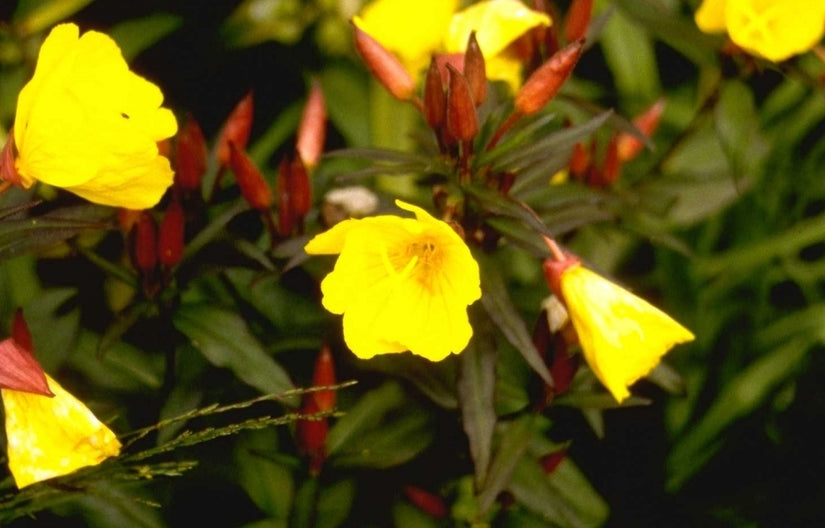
[{"x": 478, "y": 263}]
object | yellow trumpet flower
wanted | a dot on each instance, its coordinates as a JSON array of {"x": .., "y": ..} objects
[
  {"x": 401, "y": 284},
  {"x": 88, "y": 124}
]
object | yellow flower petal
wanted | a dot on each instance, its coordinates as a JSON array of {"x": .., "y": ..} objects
[
  {"x": 410, "y": 30},
  {"x": 775, "y": 30},
  {"x": 401, "y": 284},
  {"x": 497, "y": 23},
  {"x": 86, "y": 123},
  {"x": 49, "y": 437},
  {"x": 710, "y": 17},
  {"x": 622, "y": 336}
]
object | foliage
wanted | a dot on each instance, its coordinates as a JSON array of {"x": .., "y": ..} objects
[{"x": 233, "y": 390}]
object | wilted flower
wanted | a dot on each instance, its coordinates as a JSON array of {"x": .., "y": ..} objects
[
  {"x": 413, "y": 31},
  {"x": 88, "y": 124},
  {"x": 401, "y": 284},
  {"x": 51, "y": 433},
  {"x": 773, "y": 29},
  {"x": 622, "y": 336}
]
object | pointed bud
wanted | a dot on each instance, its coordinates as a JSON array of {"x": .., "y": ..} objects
[
  {"x": 18, "y": 369},
  {"x": 312, "y": 130},
  {"x": 647, "y": 122},
  {"x": 311, "y": 435},
  {"x": 579, "y": 161},
  {"x": 427, "y": 502},
  {"x": 435, "y": 99},
  {"x": 191, "y": 153},
  {"x": 294, "y": 194},
  {"x": 462, "y": 122},
  {"x": 546, "y": 81},
  {"x": 475, "y": 70},
  {"x": 384, "y": 65},
  {"x": 170, "y": 239},
  {"x": 323, "y": 375},
  {"x": 251, "y": 182},
  {"x": 578, "y": 19},
  {"x": 235, "y": 130},
  {"x": 8, "y": 171},
  {"x": 612, "y": 164},
  {"x": 145, "y": 243}
]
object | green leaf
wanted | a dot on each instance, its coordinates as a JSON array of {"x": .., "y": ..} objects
[
  {"x": 739, "y": 397},
  {"x": 408, "y": 516},
  {"x": 345, "y": 92},
  {"x": 124, "y": 367},
  {"x": 34, "y": 16},
  {"x": 496, "y": 301},
  {"x": 134, "y": 36},
  {"x": 38, "y": 233},
  {"x": 334, "y": 504},
  {"x": 476, "y": 393},
  {"x": 383, "y": 429},
  {"x": 267, "y": 482},
  {"x": 737, "y": 126},
  {"x": 226, "y": 341},
  {"x": 512, "y": 444},
  {"x": 564, "y": 497},
  {"x": 434, "y": 380},
  {"x": 629, "y": 54}
]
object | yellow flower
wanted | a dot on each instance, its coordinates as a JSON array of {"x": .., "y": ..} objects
[
  {"x": 401, "y": 283},
  {"x": 622, "y": 336},
  {"x": 413, "y": 31},
  {"x": 88, "y": 124},
  {"x": 52, "y": 436},
  {"x": 773, "y": 29}
]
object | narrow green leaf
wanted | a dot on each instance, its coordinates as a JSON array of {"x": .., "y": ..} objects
[
  {"x": 225, "y": 340},
  {"x": 364, "y": 415},
  {"x": 512, "y": 445},
  {"x": 476, "y": 393},
  {"x": 32, "y": 234},
  {"x": 739, "y": 397},
  {"x": 33, "y": 16},
  {"x": 496, "y": 301},
  {"x": 134, "y": 36},
  {"x": 334, "y": 504},
  {"x": 564, "y": 497},
  {"x": 629, "y": 54},
  {"x": 268, "y": 483},
  {"x": 434, "y": 380}
]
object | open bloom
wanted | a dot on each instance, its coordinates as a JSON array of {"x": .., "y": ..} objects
[
  {"x": 773, "y": 29},
  {"x": 88, "y": 124},
  {"x": 49, "y": 432},
  {"x": 622, "y": 336},
  {"x": 415, "y": 30},
  {"x": 401, "y": 283}
]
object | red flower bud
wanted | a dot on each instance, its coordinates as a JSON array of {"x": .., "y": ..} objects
[
  {"x": 8, "y": 172},
  {"x": 578, "y": 18},
  {"x": 312, "y": 130},
  {"x": 546, "y": 81},
  {"x": 128, "y": 219},
  {"x": 294, "y": 194},
  {"x": 579, "y": 161},
  {"x": 311, "y": 436},
  {"x": 435, "y": 100},
  {"x": 475, "y": 70},
  {"x": 462, "y": 122},
  {"x": 612, "y": 164},
  {"x": 384, "y": 65},
  {"x": 170, "y": 240},
  {"x": 18, "y": 368},
  {"x": 235, "y": 130},
  {"x": 563, "y": 366},
  {"x": 145, "y": 243},
  {"x": 251, "y": 182},
  {"x": 628, "y": 145},
  {"x": 322, "y": 376},
  {"x": 428, "y": 502},
  {"x": 190, "y": 159}
]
